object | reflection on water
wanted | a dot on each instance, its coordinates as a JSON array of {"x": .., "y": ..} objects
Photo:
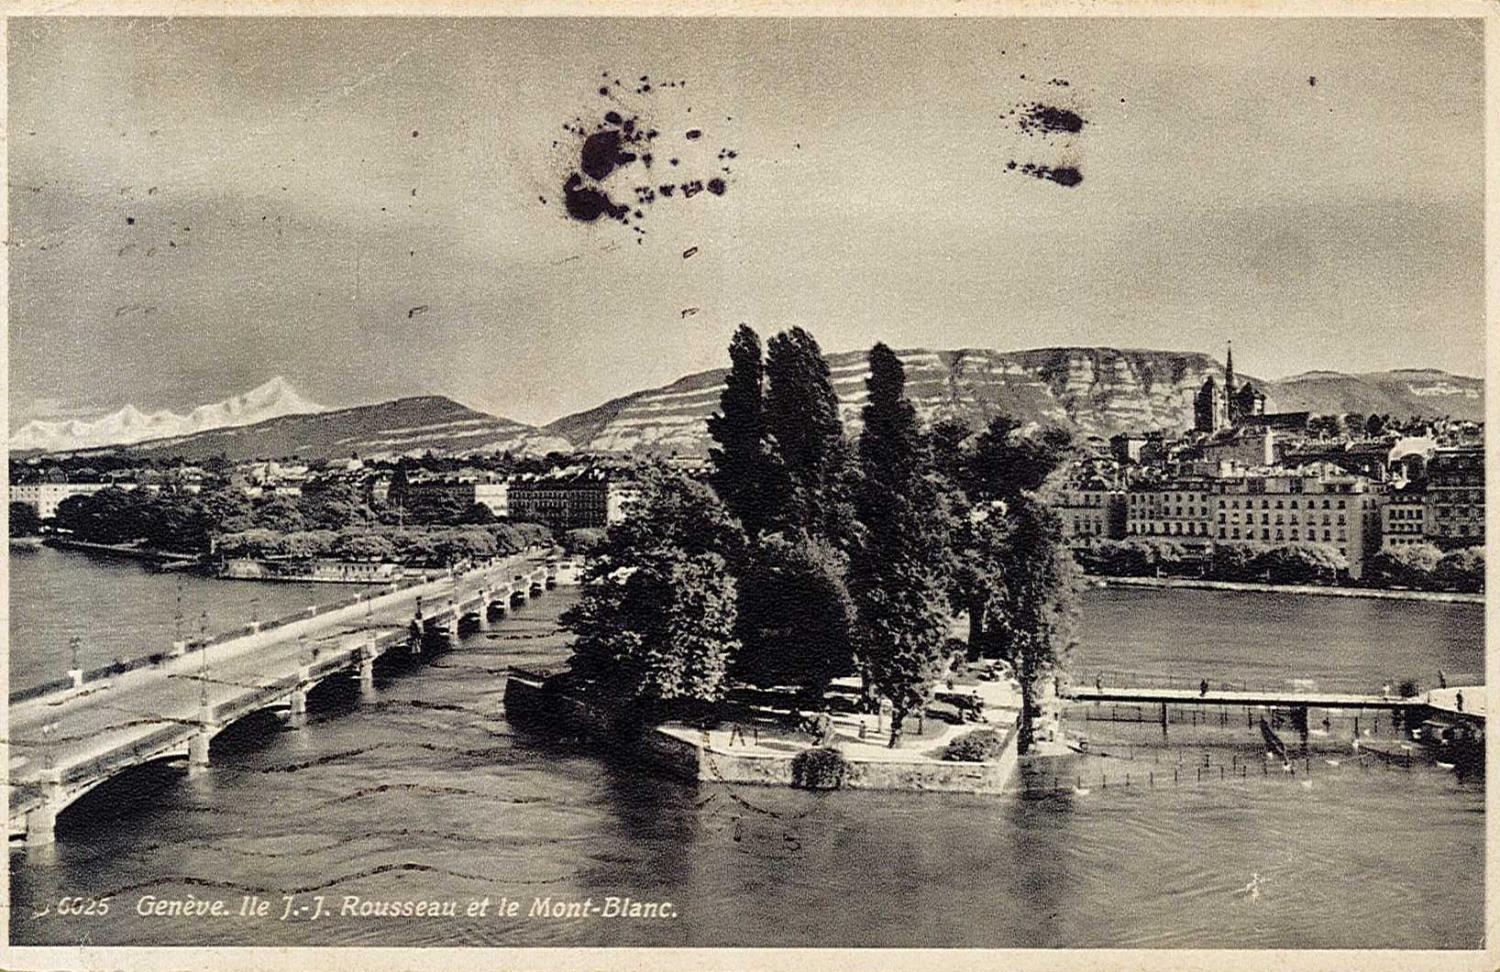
[{"x": 424, "y": 791}]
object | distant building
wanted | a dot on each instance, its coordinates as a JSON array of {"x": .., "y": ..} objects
[
  {"x": 1402, "y": 518},
  {"x": 1210, "y": 410},
  {"x": 1455, "y": 497},
  {"x": 1180, "y": 510},
  {"x": 44, "y": 497},
  {"x": 571, "y": 498},
  {"x": 1138, "y": 447},
  {"x": 1315, "y": 505},
  {"x": 1252, "y": 448},
  {"x": 1091, "y": 511}
]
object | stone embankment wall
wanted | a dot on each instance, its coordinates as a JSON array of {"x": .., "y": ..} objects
[
  {"x": 673, "y": 751},
  {"x": 1316, "y": 590}
]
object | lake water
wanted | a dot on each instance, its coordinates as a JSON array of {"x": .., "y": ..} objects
[{"x": 426, "y": 792}]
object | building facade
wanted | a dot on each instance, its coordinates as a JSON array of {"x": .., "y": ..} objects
[
  {"x": 1180, "y": 510},
  {"x": 1091, "y": 512},
  {"x": 1403, "y": 519},
  {"x": 44, "y": 497},
  {"x": 1455, "y": 497},
  {"x": 1322, "y": 506}
]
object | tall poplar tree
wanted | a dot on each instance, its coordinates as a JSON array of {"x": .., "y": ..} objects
[
  {"x": 740, "y": 463},
  {"x": 810, "y": 472},
  {"x": 896, "y": 574}
]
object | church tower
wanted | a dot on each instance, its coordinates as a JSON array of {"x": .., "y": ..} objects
[{"x": 1231, "y": 390}]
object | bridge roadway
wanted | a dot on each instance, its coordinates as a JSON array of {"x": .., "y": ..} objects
[
  {"x": 65, "y": 744},
  {"x": 1438, "y": 700}
]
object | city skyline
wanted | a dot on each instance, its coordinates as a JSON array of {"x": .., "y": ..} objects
[{"x": 1312, "y": 190}]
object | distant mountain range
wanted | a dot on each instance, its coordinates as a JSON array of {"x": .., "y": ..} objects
[
  {"x": 1091, "y": 391},
  {"x": 406, "y": 425},
  {"x": 271, "y": 400}
]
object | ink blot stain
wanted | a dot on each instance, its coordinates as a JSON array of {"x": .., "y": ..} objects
[
  {"x": 1312, "y": 81},
  {"x": 129, "y": 220},
  {"x": 693, "y": 134},
  {"x": 689, "y": 252},
  {"x": 716, "y": 186},
  {"x": 1048, "y": 119},
  {"x": 602, "y": 154},
  {"x": 1063, "y": 175}
]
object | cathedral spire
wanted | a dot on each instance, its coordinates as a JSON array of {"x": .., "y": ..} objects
[{"x": 1229, "y": 387}]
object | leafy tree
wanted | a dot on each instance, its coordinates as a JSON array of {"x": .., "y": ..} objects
[
  {"x": 740, "y": 461},
  {"x": 1461, "y": 570},
  {"x": 582, "y": 541},
  {"x": 111, "y": 516},
  {"x": 1036, "y": 621},
  {"x": 366, "y": 546},
  {"x": 478, "y": 514},
  {"x": 1235, "y": 561},
  {"x": 1354, "y": 424},
  {"x": 249, "y": 543},
  {"x": 810, "y": 468},
  {"x": 1301, "y": 564},
  {"x": 305, "y": 544},
  {"x": 455, "y": 546},
  {"x": 24, "y": 521},
  {"x": 656, "y": 623},
  {"x": 1375, "y": 425},
  {"x": 1006, "y": 463},
  {"x": 333, "y": 505},
  {"x": 1414, "y": 565},
  {"x": 795, "y": 614},
  {"x": 896, "y": 572},
  {"x": 279, "y": 513}
]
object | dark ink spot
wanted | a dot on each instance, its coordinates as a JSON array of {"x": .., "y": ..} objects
[
  {"x": 602, "y": 153},
  {"x": 413, "y": 133},
  {"x": 588, "y": 204},
  {"x": 689, "y": 252},
  {"x": 716, "y": 186},
  {"x": 1049, "y": 119},
  {"x": 129, "y": 220},
  {"x": 1062, "y": 175},
  {"x": 1312, "y": 81},
  {"x": 693, "y": 134}
]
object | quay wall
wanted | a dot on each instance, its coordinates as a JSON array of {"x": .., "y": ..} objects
[
  {"x": 674, "y": 752},
  {"x": 1448, "y": 597}
]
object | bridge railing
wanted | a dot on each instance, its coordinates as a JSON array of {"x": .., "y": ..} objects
[
  {"x": 122, "y": 666},
  {"x": 1125, "y": 679}
]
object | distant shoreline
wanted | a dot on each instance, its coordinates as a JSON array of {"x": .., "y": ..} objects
[{"x": 1446, "y": 597}]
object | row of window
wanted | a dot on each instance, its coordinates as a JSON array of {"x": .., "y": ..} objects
[
  {"x": 1266, "y": 518},
  {"x": 1265, "y": 504}
]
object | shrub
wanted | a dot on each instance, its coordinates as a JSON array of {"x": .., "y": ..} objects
[
  {"x": 823, "y": 768},
  {"x": 979, "y": 746}
]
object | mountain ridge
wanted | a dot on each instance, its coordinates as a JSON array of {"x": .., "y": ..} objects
[
  {"x": 1090, "y": 391},
  {"x": 129, "y": 424}
]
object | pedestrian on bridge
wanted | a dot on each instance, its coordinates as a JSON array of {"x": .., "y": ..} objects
[
  {"x": 1458, "y": 700},
  {"x": 1442, "y": 679},
  {"x": 1203, "y": 687}
]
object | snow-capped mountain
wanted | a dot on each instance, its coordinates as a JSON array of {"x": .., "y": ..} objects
[{"x": 271, "y": 400}]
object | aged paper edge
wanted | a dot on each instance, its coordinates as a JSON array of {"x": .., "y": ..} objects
[{"x": 448, "y": 959}]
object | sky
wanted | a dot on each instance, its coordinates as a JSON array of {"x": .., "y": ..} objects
[{"x": 375, "y": 207}]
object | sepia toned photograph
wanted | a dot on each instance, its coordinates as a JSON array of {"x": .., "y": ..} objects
[{"x": 745, "y": 482}]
